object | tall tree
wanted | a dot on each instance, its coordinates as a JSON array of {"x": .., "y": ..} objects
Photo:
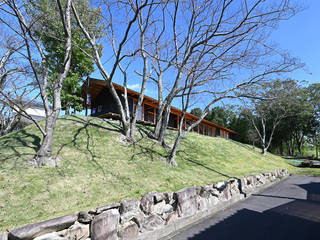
[
  {"x": 17, "y": 19},
  {"x": 314, "y": 98},
  {"x": 196, "y": 111},
  {"x": 126, "y": 34},
  {"x": 223, "y": 37},
  {"x": 221, "y": 115},
  {"x": 82, "y": 63},
  {"x": 270, "y": 104}
]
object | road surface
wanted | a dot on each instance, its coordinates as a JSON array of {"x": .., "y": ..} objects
[{"x": 289, "y": 210}]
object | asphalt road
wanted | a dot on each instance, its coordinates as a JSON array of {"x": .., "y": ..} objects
[{"x": 289, "y": 210}]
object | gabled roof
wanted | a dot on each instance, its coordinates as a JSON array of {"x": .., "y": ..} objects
[{"x": 97, "y": 85}]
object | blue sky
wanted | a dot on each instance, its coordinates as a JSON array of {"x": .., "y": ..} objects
[{"x": 300, "y": 36}]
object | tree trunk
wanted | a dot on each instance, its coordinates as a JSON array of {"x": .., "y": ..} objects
[
  {"x": 292, "y": 147},
  {"x": 264, "y": 151},
  {"x": 68, "y": 109},
  {"x": 126, "y": 128},
  {"x": 159, "y": 119},
  {"x": 164, "y": 126},
  {"x": 173, "y": 153},
  {"x": 43, "y": 156},
  {"x": 288, "y": 148},
  {"x": 281, "y": 148}
]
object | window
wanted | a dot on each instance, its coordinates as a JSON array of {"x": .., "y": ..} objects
[
  {"x": 205, "y": 129},
  {"x": 99, "y": 108},
  {"x": 200, "y": 129},
  {"x": 218, "y": 132}
]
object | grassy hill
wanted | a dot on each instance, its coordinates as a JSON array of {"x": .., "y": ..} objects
[{"x": 98, "y": 168}]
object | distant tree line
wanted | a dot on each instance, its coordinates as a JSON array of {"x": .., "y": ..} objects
[{"x": 282, "y": 117}]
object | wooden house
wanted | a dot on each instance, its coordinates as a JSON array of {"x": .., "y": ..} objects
[{"x": 97, "y": 97}]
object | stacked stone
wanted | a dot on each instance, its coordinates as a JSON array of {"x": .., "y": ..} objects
[{"x": 131, "y": 219}]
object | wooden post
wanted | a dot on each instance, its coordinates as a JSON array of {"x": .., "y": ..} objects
[
  {"x": 177, "y": 121},
  {"x": 154, "y": 115},
  {"x": 142, "y": 111},
  {"x": 198, "y": 128}
]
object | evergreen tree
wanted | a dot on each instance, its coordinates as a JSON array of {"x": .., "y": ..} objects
[{"x": 81, "y": 63}]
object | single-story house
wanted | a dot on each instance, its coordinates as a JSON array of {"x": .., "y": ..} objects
[{"x": 98, "y": 98}]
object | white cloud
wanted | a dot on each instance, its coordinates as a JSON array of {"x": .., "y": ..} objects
[{"x": 134, "y": 86}]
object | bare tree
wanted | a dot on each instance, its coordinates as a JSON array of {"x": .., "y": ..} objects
[
  {"x": 229, "y": 36},
  {"x": 212, "y": 49},
  {"x": 13, "y": 89},
  {"x": 215, "y": 42},
  {"x": 135, "y": 18},
  {"x": 17, "y": 19}
]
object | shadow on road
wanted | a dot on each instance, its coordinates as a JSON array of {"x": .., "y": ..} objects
[{"x": 297, "y": 219}]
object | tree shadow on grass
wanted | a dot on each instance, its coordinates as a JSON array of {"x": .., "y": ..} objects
[
  {"x": 146, "y": 151},
  {"x": 186, "y": 156},
  {"x": 87, "y": 123},
  {"x": 150, "y": 152},
  {"x": 20, "y": 146},
  {"x": 17, "y": 144},
  {"x": 90, "y": 121}
]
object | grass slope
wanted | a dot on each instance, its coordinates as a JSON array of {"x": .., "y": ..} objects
[{"x": 97, "y": 168}]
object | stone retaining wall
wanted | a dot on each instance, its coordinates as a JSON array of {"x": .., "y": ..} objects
[{"x": 154, "y": 216}]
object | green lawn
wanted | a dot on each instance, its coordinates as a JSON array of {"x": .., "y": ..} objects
[
  {"x": 302, "y": 171},
  {"x": 97, "y": 168}
]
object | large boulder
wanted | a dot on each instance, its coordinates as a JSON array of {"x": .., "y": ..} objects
[
  {"x": 147, "y": 203},
  {"x": 169, "y": 197},
  {"x": 171, "y": 217},
  {"x": 130, "y": 210},
  {"x": 268, "y": 176},
  {"x": 260, "y": 179},
  {"x": 101, "y": 209},
  {"x": 234, "y": 187},
  {"x": 151, "y": 223},
  {"x": 226, "y": 192},
  {"x": 84, "y": 217},
  {"x": 105, "y": 225},
  {"x": 158, "y": 197},
  {"x": 186, "y": 201},
  {"x": 129, "y": 206},
  {"x": 36, "y": 229},
  {"x": 205, "y": 204},
  {"x": 206, "y": 191},
  {"x": 77, "y": 231},
  {"x": 161, "y": 208},
  {"x": 129, "y": 230}
]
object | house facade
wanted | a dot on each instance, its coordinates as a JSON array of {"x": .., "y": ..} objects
[{"x": 98, "y": 98}]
